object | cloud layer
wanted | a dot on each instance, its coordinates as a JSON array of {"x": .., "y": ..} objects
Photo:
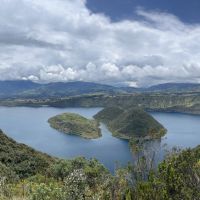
[{"x": 61, "y": 40}]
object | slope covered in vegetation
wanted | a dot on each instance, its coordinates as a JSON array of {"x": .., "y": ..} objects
[
  {"x": 177, "y": 177},
  {"x": 108, "y": 114},
  {"x": 21, "y": 160},
  {"x": 29, "y": 174},
  {"x": 71, "y": 123},
  {"x": 130, "y": 123},
  {"x": 167, "y": 102}
]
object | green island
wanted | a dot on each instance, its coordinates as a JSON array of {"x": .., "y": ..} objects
[
  {"x": 123, "y": 123},
  {"x": 130, "y": 123},
  {"x": 27, "y": 174},
  {"x": 71, "y": 123}
]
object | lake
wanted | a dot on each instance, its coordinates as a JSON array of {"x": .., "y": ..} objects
[{"x": 29, "y": 126}]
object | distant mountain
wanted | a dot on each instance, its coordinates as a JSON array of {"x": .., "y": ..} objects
[
  {"x": 12, "y": 88},
  {"x": 166, "y": 87},
  {"x": 28, "y": 89},
  {"x": 174, "y": 87},
  {"x": 78, "y": 88},
  {"x": 131, "y": 89}
]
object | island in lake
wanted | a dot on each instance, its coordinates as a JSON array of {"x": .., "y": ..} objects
[
  {"x": 75, "y": 124},
  {"x": 127, "y": 124},
  {"x": 130, "y": 123}
]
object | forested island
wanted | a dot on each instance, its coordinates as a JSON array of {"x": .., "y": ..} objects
[
  {"x": 130, "y": 123},
  {"x": 123, "y": 123},
  {"x": 71, "y": 123}
]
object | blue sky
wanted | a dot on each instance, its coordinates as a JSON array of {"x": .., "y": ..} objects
[
  {"x": 186, "y": 10},
  {"x": 127, "y": 42}
]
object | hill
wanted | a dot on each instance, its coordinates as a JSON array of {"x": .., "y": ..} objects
[
  {"x": 71, "y": 123},
  {"x": 131, "y": 123},
  {"x": 20, "y": 159},
  {"x": 28, "y": 174},
  {"x": 174, "y": 87},
  {"x": 108, "y": 114},
  {"x": 28, "y": 89},
  {"x": 74, "y": 88},
  {"x": 13, "y": 88}
]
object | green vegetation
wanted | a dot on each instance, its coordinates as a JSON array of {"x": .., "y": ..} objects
[
  {"x": 170, "y": 97},
  {"x": 28, "y": 174},
  {"x": 177, "y": 177},
  {"x": 21, "y": 160},
  {"x": 130, "y": 123},
  {"x": 71, "y": 123},
  {"x": 167, "y": 102},
  {"x": 47, "y": 178},
  {"x": 108, "y": 114}
]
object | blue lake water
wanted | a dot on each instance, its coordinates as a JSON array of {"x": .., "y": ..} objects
[{"x": 29, "y": 126}]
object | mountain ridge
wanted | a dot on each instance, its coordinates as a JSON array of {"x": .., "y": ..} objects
[{"x": 29, "y": 89}]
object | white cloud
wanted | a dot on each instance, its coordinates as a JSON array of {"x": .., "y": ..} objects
[
  {"x": 61, "y": 40},
  {"x": 57, "y": 72}
]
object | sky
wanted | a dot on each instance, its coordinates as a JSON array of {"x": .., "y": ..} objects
[
  {"x": 186, "y": 10},
  {"x": 130, "y": 42}
]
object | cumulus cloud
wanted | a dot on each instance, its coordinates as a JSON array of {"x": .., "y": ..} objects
[{"x": 61, "y": 40}]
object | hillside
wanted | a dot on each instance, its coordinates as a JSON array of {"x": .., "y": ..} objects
[
  {"x": 174, "y": 87},
  {"x": 20, "y": 159},
  {"x": 169, "y": 97},
  {"x": 28, "y": 174},
  {"x": 130, "y": 123},
  {"x": 75, "y": 124},
  {"x": 28, "y": 89},
  {"x": 13, "y": 88},
  {"x": 108, "y": 114}
]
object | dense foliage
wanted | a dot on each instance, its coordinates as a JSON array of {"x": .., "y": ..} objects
[
  {"x": 21, "y": 160},
  {"x": 108, "y": 114},
  {"x": 71, "y": 123},
  {"x": 130, "y": 123},
  {"x": 178, "y": 177}
]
